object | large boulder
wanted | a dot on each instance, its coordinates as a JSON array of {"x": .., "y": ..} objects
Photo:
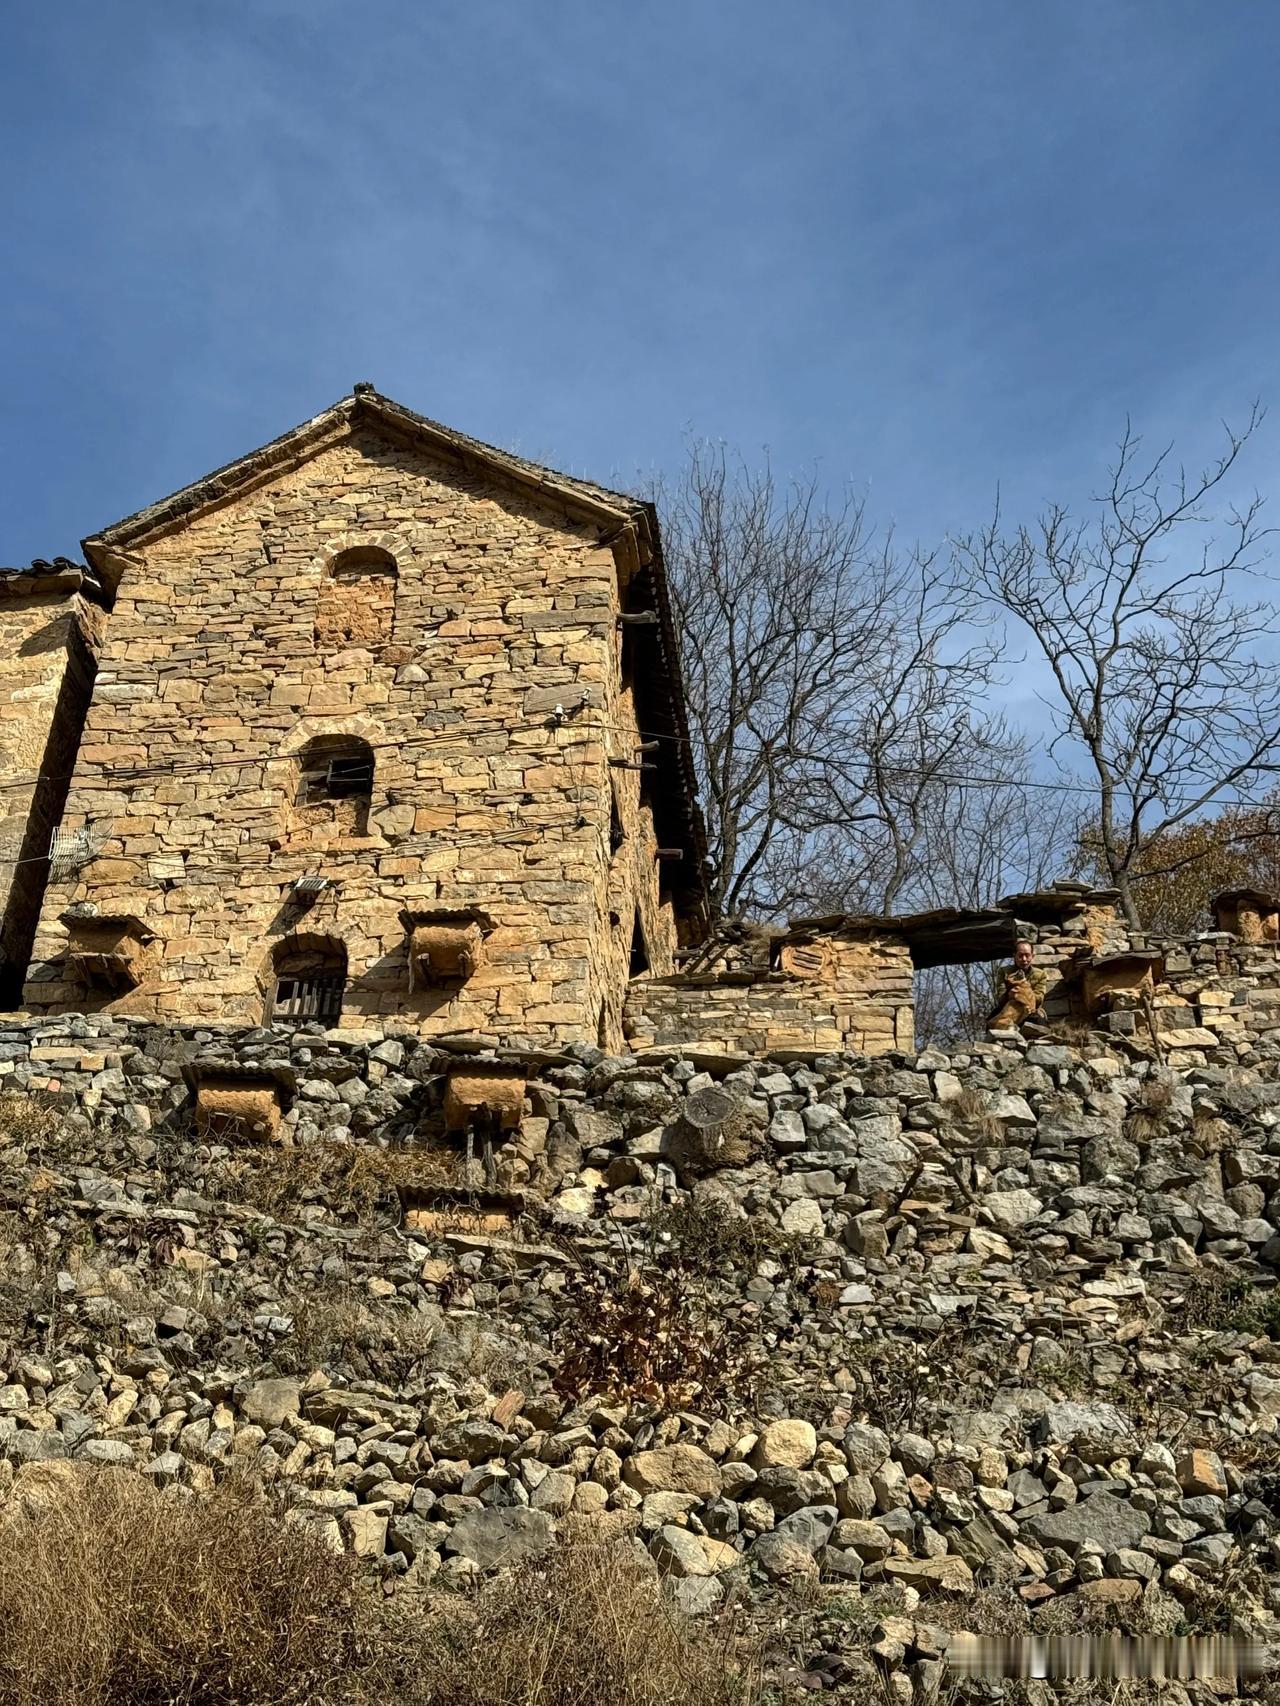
[
  {"x": 1109, "y": 1522},
  {"x": 673, "y": 1469},
  {"x": 270, "y": 1403},
  {"x": 494, "y": 1537},
  {"x": 790, "y": 1444}
]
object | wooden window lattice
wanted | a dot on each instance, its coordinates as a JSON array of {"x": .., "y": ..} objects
[{"x": 298, "y": 999}]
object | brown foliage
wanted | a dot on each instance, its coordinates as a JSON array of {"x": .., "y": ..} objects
[
  {"x": 1176, "y": 874},
  {"x": 649, "y": 1322}
]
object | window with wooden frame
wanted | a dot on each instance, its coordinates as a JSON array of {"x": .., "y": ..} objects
[{"x": 308, "y": 982}]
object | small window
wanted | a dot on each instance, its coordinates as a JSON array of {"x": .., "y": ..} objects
[
  {"x": 335, "y": 783},
  {"x": 309, "y": 975},
  {"x": 299, "y": 999},
  {"x": 617, "y": 830},
  {"x": 339, "y": 776},
  {"x": 360, "y": 562}
]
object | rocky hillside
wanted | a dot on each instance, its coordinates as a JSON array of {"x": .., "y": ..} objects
[{"x": 916, "y": 1330}]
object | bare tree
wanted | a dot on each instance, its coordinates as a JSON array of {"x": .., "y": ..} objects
[
  {"x": 831, "y": 683},
  {"x": 1159, "y": 668},
  {"x": 1011, "y": 832}
]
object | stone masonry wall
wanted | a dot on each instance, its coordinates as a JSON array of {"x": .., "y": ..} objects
[
  {"x": 834, "y": 994},
  {"x": 227, "y": 653},
  {"x": 49, "y": 631}
]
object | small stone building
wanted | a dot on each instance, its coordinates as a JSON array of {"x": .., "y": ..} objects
[{"x": 387, "y": 729}]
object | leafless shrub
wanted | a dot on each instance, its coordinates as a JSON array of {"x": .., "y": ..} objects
[
  {"x": 587, "y": 1625},
  {"x": 1221, "y": 1299},
  {"x": 649, "y": 1322},
  {"x": 900, "y": 1380}
]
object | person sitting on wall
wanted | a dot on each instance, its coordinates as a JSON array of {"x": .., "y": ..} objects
[{"x": 1024, "y": 991}]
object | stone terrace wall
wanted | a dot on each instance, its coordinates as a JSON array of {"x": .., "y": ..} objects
[
  {"x": 836, "y": 994},
  {"x": 985, "y": 1303}
]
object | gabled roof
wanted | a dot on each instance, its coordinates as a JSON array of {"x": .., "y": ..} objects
[
  {"x": 627, "y": 523},
  {"x": 364, "y": 407}
]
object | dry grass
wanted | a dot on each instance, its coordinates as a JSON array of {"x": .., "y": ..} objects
[
  {"x": 971, "y": 1110},
  {"x": 1149, "y": 1116},
  {"x": 26, "y": 1122},
  {"x": 394, "y": 1343},
  {"x": 339, "y": 1327},
  {"x": 118, "y": 1595},
  {"x": 351, "y": 1179},
  {"x": 586, "y": 1627},
  {"x": 114, "y": 1593}
]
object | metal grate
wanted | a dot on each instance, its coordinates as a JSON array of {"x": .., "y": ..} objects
[
  {"x": 69, "y": 850},
  {"x": 348, "y": 777},
  {"x": 301, "y": 998}
]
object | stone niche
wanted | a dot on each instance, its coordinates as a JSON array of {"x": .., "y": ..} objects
[
  {"x": 234, "y": 1106},
  {"x": 110, "y": 953},
  {"x": 1248, "y": 914},
  {"x": 485, "y": 1094},
  {"x": 443, "y": 947},
  {"x": 463, "y": 1211},
  {"x": 357, "y": 599}
]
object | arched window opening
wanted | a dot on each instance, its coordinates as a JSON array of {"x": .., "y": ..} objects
[
  {"x": 335, "y": 781},
  {"x": 356, "y": 605},
  {"x": 309, "y": 976}
]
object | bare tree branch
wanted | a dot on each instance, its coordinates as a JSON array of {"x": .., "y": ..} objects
[
  {"x": 1161, "y": 677},
  {"x": 831, "y": 682}
]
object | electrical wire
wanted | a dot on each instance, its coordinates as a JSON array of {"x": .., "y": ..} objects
[{"x": 107, "y": 780}]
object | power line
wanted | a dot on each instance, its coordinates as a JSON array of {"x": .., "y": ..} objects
[
  {"x": 565, "y": 722},
  {"x": 106, "y": 780}
]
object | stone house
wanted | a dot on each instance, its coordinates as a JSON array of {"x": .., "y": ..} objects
[{"x": 387, "y": 730}]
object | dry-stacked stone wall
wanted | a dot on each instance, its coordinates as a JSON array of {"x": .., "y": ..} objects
[{"x": 1012, "y": 1308}]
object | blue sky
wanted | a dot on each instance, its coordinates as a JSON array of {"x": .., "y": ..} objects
[{"x": 925, "y": 247}]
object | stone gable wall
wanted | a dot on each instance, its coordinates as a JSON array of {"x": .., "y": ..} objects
[{"x": 226, "y": 654}]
